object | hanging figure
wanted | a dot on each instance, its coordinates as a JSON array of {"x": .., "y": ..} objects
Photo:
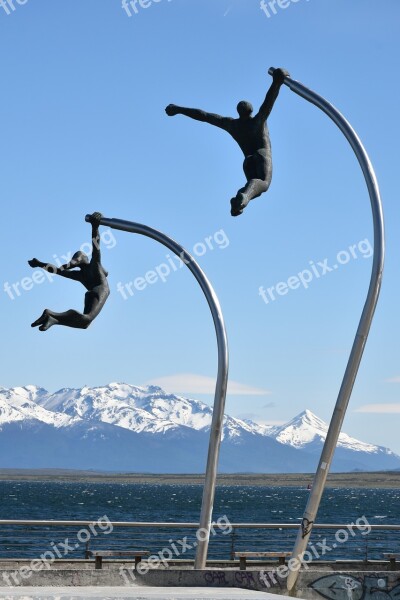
[
  {"x": 91, "y": 274},
  {"x": 251, "y": 133}
]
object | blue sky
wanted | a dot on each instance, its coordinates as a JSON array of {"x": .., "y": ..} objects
[{"x": 83, "y": 129}]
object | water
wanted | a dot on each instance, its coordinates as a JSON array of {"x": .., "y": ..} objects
[
  {"x": 181, "y": 503},
  {"x": 153, "y": 502}
]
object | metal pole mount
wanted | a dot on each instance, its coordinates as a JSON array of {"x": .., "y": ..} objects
[
  {"x": 222, "y": 377},
  {"x": 364, "y": 326}
]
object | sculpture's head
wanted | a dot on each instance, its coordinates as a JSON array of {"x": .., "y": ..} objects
[
  {"x": 78, "y": 259},
  {"x": 244, "y": 109}
]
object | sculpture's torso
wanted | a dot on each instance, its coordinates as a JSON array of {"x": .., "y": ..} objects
[
  {"x": 93, "y": 276},
  {"x": 251, "y": 134}
]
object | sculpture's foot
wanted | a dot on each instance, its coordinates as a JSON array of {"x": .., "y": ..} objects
[
  {"x": 41, "y": 319},
  {"x": 238, "y": 204},
  {"x": 50, "y": 321},
  {"x": 45, "y": 321}
]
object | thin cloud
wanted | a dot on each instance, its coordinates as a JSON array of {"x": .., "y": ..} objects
[
  {"x": 386, "y": 409},
  {"x": 270, "y": 405},
  {"x": 187, "y": 383},
  {"x": 393, "y": 379}
]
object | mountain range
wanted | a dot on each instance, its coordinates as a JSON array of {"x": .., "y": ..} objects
[{"x": 121, "y": 427}]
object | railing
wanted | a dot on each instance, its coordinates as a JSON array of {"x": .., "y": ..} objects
[{"x": 178, "y": 541}]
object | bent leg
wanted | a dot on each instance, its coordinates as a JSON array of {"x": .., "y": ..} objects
[
  {"x": 253, "y": 189},
  {"x": 258, "y": 170},
  {"x": 95, "y": 300}
]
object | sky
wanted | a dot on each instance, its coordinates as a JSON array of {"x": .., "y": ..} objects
[{"x": 83, "y": 129}]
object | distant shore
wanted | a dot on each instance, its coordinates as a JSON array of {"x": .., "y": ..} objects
[{"x": 386, "y": 479}]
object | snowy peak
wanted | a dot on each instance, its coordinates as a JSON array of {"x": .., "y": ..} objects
[
  {"x": 301, "y": 430},
  {"x": 30, "y": 393},
  {"x": 23, "y": 404},
  {"x": 307, "y": 429},
  {"x": 307, "y": 419}
]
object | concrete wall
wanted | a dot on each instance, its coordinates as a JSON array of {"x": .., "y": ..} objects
[{"x": 312, "y": 584}]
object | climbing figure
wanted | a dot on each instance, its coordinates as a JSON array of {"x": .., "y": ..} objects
[
  {"x": 90, "y": 274},
  {"x": 251, "y": 133}
]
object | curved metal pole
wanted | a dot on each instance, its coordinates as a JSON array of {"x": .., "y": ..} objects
[
  {"x": 363, "y": 327},
  {"x": 222, "y": 377}
]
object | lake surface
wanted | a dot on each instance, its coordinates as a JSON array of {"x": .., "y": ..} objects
[{"x": 181, "y": 503}]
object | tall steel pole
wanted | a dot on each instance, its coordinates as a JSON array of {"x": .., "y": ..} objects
[
  {"x": 364, "y": 326},
  {"x": 222, "y": 377}
]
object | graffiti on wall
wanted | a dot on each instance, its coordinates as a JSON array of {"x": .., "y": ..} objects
[{"x": 347, "y": 587}]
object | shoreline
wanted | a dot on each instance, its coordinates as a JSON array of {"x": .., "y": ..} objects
[{"x": 379, "y": 480}]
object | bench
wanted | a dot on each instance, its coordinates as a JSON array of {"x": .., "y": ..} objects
[
  {"x": 98, "y": 555},
  {"x": 392, "y": 559},
  {"x": 243, "y": 556}
]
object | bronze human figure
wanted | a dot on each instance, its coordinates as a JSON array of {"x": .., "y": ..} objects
[
  {"x": 91, "y": 274},
  {"x": 251, "y": 133}
]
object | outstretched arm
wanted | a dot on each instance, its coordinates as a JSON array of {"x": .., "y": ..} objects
[
  {"x": 95, "y": 219},
  {"x": 199, "y": 115},
  {"x": 268, "y": 104},
  {"x": 62, "y": 271}
]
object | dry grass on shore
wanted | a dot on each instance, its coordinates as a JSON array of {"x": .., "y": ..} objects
[{"x": 386, "y": 479}]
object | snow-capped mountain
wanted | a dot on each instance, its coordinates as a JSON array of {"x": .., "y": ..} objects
[
  {"x": 307, "y": 428},
  {"x": 23, "y": 404},
  {"x": 121, "y": 427},
  {"x": 138, "y": 409}
]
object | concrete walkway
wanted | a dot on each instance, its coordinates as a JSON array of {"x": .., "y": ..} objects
[{"x": 134, "y": 593}]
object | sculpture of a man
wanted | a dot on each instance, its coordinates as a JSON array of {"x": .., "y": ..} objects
[
  {"x": 91, "y": 274},
  {"x": 251, "y": 133}
]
